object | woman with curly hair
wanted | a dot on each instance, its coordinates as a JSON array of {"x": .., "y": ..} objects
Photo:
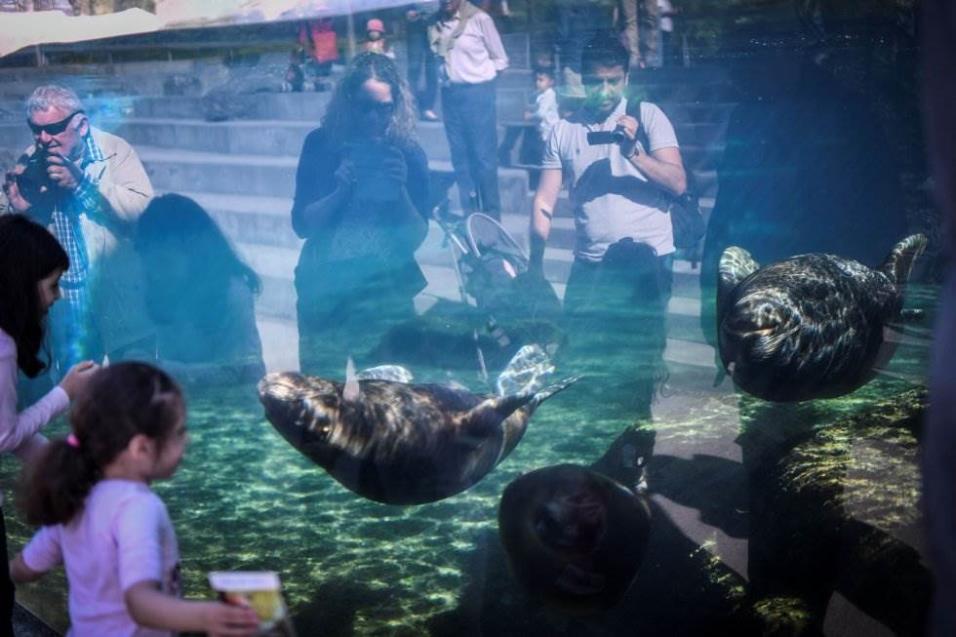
[{"x": 361, "y": 205}]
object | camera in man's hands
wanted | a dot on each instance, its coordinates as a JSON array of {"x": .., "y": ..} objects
[
  {"x": 34, "y": 182},
  {"x": 603, "y": 137}
]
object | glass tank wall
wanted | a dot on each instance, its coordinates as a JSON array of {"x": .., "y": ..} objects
[{"x": 455, "y": 360}]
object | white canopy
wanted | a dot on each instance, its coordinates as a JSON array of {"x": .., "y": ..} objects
[{"x": 18, "y": 30}]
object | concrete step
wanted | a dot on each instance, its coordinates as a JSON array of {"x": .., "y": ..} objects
[
  {"x": 14, "y": 137},
  {"x": 177, "y": 170},
  {"x": 268, "y": 106},
  {"x": 86, "y": 86},
  {"x": 273, "y": 176},
  {"x": 432, "y": 137},
  {"x": 701, "y": 144},
  {"x": 245, "y": 137},
  {"x": 265, "y": 222},
  {"x": 309, "y": 107},
  {"x": 276, "y": 265},
  {"x": 276, "y": 268},
  {"x": 518, "y": 50}
]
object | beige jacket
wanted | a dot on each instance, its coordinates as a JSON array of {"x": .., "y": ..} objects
[{"x": 108, "y": 221}]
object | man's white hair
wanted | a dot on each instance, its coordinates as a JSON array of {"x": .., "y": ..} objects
[{"x": 53, "y": 96}]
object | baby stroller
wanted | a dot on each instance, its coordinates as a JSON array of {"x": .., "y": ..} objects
[
  {"x": 502, "y": 304},
  {"x": 493, "y": 271}
]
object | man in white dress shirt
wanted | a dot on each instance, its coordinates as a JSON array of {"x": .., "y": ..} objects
[{"x": 471, "y": 55}]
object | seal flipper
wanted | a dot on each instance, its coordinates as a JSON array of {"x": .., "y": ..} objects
[
  {"x": 351, "y": 390},
  {"x": 736, "y": 264},
  {"x": 550, "y": 391},
  {"x": 526, "y": 372},
  {"x": 393, "y": 373},
  {"x": 899, "y": 263},
  {"x": 504, "y": 406}
]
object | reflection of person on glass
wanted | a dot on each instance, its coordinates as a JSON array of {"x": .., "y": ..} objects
[
  {"x": 200, "y": 295},
  {"x": 624, "y": 162},
  {"x": 621, "y": 182},
  {"x": 88, "y": 187},
  {"x": 361, "y": 205}
]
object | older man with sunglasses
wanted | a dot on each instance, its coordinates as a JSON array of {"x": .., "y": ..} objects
[{"x": 89, "y": 188}]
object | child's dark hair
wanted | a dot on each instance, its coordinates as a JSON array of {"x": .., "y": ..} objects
[
  {"x": 28, "y": 254},
  {"x": 120, "y": 402},
  {"x": 547, "y": 71},
  {"x": 603, "y": 50}
]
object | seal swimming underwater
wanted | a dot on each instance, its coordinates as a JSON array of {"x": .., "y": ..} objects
[
  {"x": 395, "y": 442},
  {"x": 574, "y": 537},
  {"x": 810, "y": 326}
]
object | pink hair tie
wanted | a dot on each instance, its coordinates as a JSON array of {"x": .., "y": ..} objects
[{"x": 72, "y": 441}]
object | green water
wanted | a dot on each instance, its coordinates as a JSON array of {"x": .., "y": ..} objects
[{"x": 245, "y": 499}]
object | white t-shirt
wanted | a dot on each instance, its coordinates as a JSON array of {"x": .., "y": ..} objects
[
  {"x": 611, "y": 198},
  {"x": 122, "y": 537}
]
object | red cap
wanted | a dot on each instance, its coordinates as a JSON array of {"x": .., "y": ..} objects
[{"x": 375, "y": 25}]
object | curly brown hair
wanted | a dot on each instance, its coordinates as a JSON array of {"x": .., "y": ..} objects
[{"x": 339, "y": 115}]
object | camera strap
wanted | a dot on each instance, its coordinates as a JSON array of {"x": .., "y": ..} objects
[{"x": 642, "y": 137}]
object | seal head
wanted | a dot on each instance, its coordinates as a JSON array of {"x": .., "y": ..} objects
[{"x": 810, "y": 326}]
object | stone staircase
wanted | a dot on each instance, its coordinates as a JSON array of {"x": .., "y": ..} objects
[{"x": 243, "y": 171}]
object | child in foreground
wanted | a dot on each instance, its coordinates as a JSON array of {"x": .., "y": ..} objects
[
  {"x": 101, "y": 520},
  {"x": 31, "y": 263}
]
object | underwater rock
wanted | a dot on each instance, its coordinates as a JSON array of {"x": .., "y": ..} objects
[
  {"x": 810, "y": 326},
  {"x": 845, "y": 467},
  {"x": 842, "y": 500},
  {"x": 396, "y": 442},
  {"x": 573, "y": 536}
]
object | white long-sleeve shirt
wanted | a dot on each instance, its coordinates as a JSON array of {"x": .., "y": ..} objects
[
  {"x": 19, "y": 431},
  {"x": 477, "y": 55}
]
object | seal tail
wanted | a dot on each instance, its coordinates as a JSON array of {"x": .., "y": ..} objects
[{"x": 899, "y": 263}]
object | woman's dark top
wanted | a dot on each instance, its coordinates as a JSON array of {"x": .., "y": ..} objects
[{"x": 358, "y": 246}]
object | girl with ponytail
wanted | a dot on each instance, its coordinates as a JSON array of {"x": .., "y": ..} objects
[
  {"x": 90, "y": 491},
  {"x": 31, "y": 262}
]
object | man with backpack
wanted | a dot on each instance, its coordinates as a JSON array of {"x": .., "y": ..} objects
[{"x": 626, "y": 169}]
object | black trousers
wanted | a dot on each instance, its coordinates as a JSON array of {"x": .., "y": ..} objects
[
  {"x": 471, "y": 125},
  {"x": 601, "y": 287},
  {"x": 616, "y": 322}
]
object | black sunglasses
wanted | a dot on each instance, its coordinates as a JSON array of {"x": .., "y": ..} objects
[
  {"x": 382, "y": 108},
  {"x": 55, "y": 128}
]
